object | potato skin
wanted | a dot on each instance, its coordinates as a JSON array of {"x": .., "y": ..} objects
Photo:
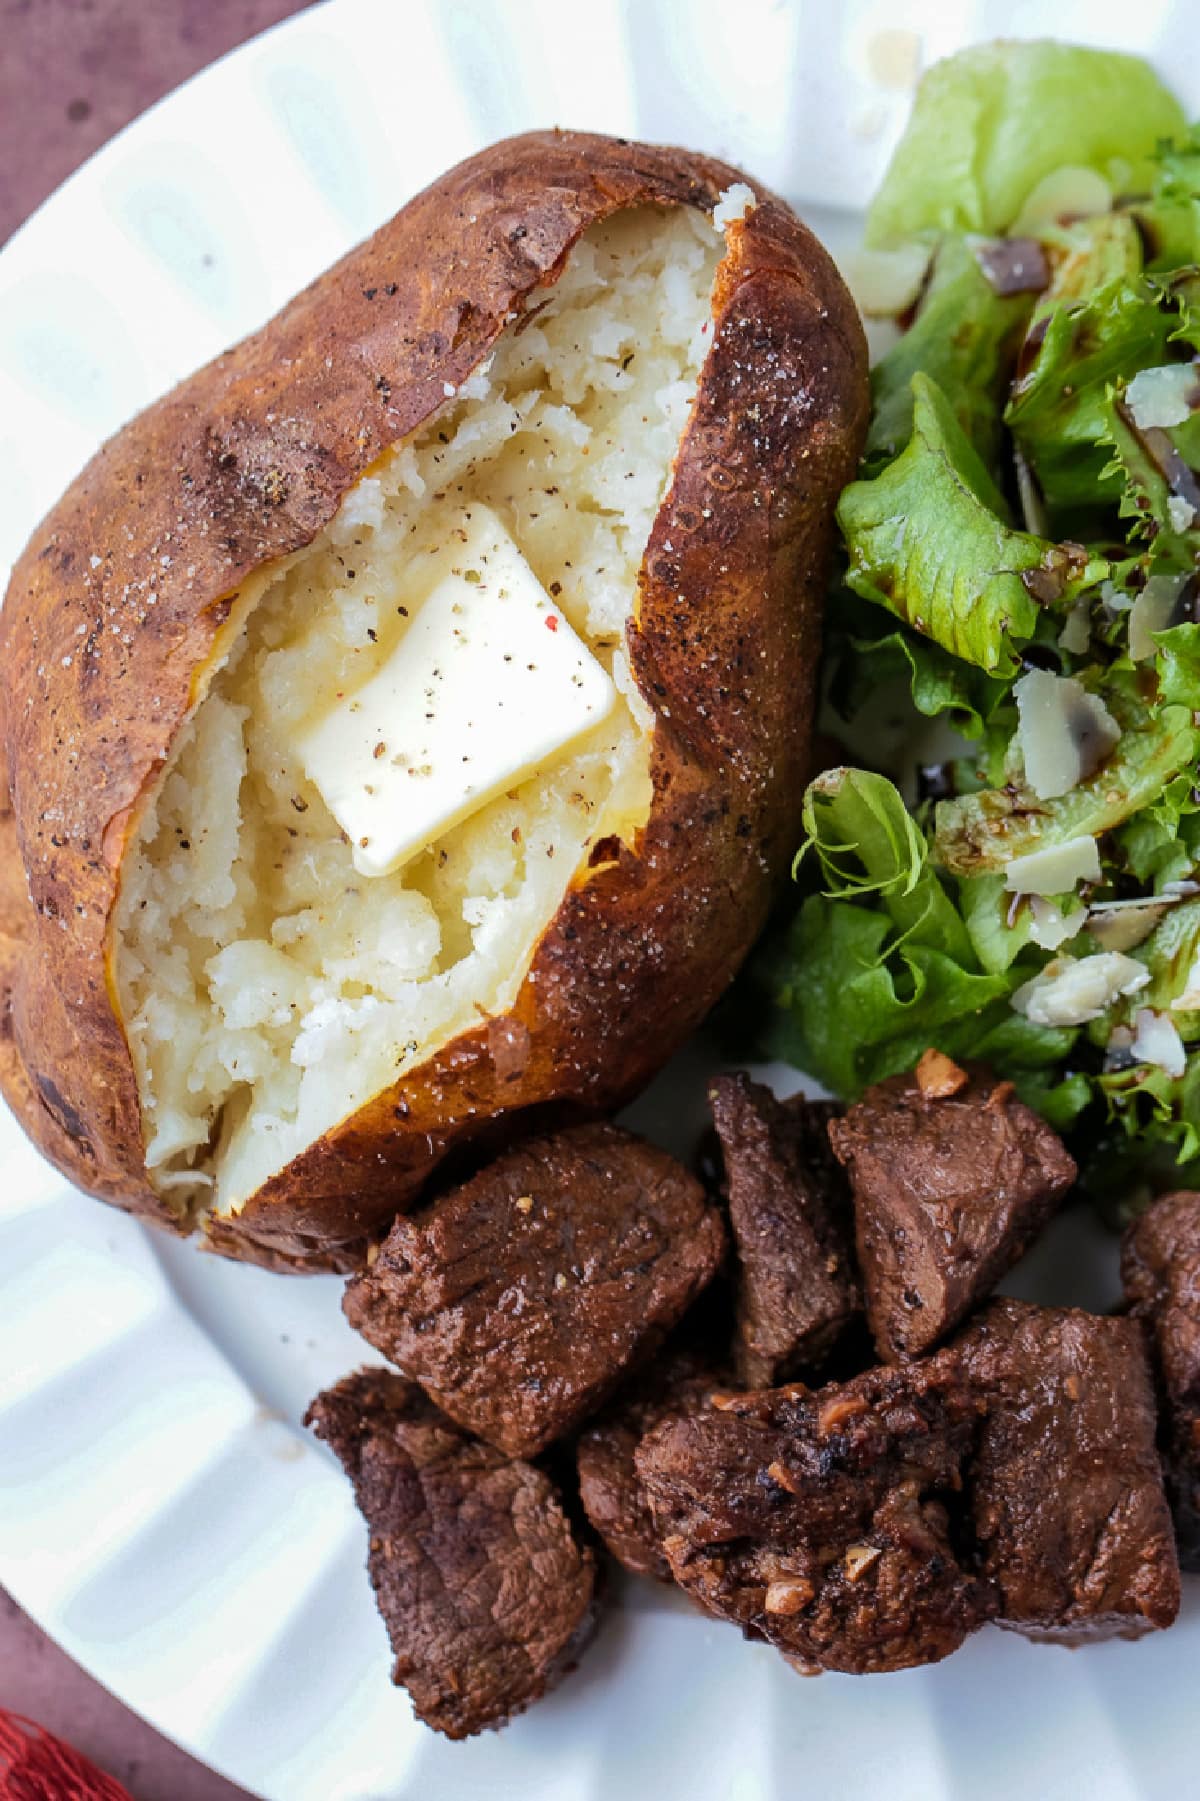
[{"x": 247, "y": 461}]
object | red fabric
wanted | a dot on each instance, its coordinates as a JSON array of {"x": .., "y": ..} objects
[{"x": 34, "y": 1766}]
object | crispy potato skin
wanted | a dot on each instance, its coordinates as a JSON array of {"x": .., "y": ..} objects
[{"x": 247, "y": 461}]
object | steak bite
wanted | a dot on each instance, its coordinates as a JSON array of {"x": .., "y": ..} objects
[
  {"x": 793, "y": 1226},
  {"x": 485, "y": 1593},
  {"x": 678, "y": 1385},
  {"x": 521, "y": 1299},
  {"x": 1073, "y": 1525},
  {"x": 1160, "y": 1266},
  {"x": 953, "y": 1178},
  {"x": 827, "y": 1523}
]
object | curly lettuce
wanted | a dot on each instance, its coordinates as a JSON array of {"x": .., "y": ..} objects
[
  {"x": 928, "y": 539},
  {"x": 1029, "y": 501},
  {"x": 1060, "y": 411},
  {"x": 878, "y": 963}
]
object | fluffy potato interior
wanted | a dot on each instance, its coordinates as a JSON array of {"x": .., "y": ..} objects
[{"x": 268, "y": 988}]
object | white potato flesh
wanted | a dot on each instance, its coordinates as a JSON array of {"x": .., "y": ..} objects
[{"x": 268, "y": 989}]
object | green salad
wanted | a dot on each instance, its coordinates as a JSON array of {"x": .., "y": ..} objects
[{"x": 1013, "y": 639}]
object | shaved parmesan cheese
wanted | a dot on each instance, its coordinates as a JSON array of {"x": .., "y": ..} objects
[
  {"x": 1051, "y": 928},
  {"x": 1180, "y": 512},
  {"x": 886, "y": 282},
  {"x": 1159, "y": 397},
  {"x": 1072, "y": 990},
  {"x": 1034, "y": 516},
  {"x": 1156, "y": 1040},
  {"x": 1071, "y": 192},
  {"x": 1076, "y": 634},
  {"x": 1119, "y": 925},
  {"x": 733, "y": 204},
  {"x": 1054, "y": 870},
  {"x": 1151, "y": 612},
  {"x": 1064, "y": 734}
]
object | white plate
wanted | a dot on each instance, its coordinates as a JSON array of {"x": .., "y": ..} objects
[{"x": 161, "y": 1514}]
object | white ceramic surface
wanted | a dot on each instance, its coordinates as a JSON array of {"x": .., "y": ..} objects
[{"x": 161, "y": 1513}]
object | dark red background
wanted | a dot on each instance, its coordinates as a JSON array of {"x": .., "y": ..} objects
[{"x": 73, "y": 72}]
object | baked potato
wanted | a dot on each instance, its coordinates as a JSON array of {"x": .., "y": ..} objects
[{"x": 276, "y": 957}]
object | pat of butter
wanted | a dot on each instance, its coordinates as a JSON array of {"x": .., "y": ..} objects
[{"x": 486, "y": 687}]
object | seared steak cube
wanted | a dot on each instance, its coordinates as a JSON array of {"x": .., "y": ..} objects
[
  {"x": 520, "y": 1300},
  {"x": 828, "y": 1522},
  {"x": 953, "y": 1178},
  {"x": 1073, "y": 1525},
  {"x": 1160, "y": 1264},
  {"x": 789, "y": 1208},
  {"x": 679, "y": 1384},
  {"x": 485, "y": 1593}
]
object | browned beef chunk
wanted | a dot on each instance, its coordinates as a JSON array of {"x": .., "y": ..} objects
[
  {"x": 827, "y": 1523},
  {"x": 1069, "y": 1509},
  {"x": 485, "y": 1593},
  {"x": 520, "y": 1300},
  {"x": 953, "y": 1179},
  {"x": 678, "y": 1384},
  {"x": 1160, "y": 1263},
  {"x": 789, "y": 1207}
]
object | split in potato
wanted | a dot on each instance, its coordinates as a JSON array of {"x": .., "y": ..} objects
[
  {"x": 268, "y": 986},
  {"x": 251, "y": 985}
]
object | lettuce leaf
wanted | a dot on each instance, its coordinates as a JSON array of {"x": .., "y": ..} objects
[
  {"x": 879, "y": 966},
  {"x": 1161, "y": 843},
  {"x": 1141, "y": 461},
  {"x": 1059, "y": 1099},
  {"x": 1089, "y": 254},
  {"x": 1178, "y": 665},
  {"x": 1171, "y": 221},
  {"x": 966, "y": 337},
  {"x": 866, "y": 842},
  {"x": 1170, "y": 954},
  {"x": 999, "y": 931},
  {"x": 906, "y": 936},
  {"x": 980, "y": 834},
  {"x": 1159, "y": 1112},
  {"x": 856, "y": 1007},
  {"x": 927, "y": 539},
  {"x": 1060, "y": 412},
  {"x": 940, "y": 685},
  {"x": 993, "y": 121}
]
